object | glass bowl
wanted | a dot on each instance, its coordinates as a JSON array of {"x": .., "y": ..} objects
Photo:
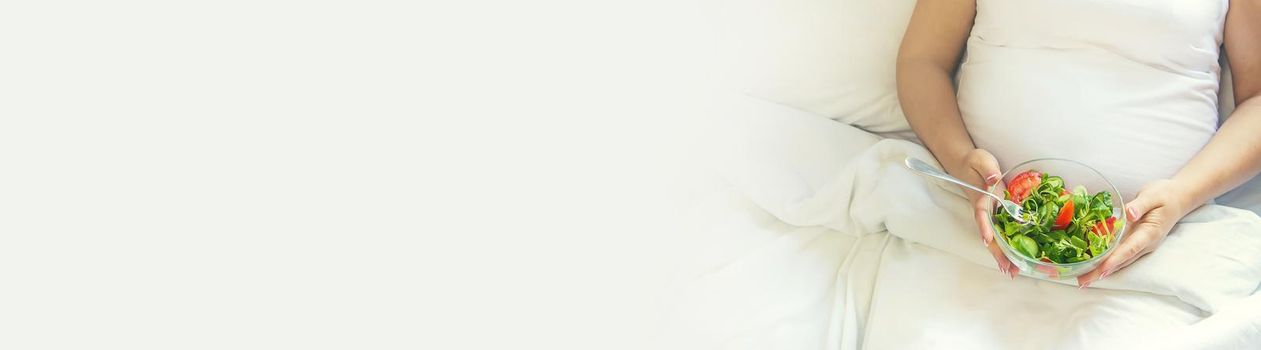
[{"x": 1074, "y": 173}]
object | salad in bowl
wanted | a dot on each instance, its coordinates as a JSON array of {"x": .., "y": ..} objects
[{"x": 1067, "y": 230}]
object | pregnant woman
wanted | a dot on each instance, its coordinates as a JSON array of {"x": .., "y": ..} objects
[{"x": 1127, "y": 86}]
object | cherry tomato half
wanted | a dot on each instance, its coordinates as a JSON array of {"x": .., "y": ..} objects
[
  {"x": 1024, "y": 183},
  {"x": 1065, "y": 217}
]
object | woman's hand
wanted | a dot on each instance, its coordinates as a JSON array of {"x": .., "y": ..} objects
[
  {"x": 931, "y": 47},
  {"x": 1230, "y": 158},
  {"x": 979, "y": 168},
  {"x": 1152, "y": 215}
]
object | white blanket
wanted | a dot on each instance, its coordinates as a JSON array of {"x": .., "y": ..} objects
[{"x": 1212, "y": 259}]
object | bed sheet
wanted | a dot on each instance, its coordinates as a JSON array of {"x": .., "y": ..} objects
[
  {"x": 929, "y": 299},
  {"x": 758, "y": 283},
  {"x": 754, "y": 282}
]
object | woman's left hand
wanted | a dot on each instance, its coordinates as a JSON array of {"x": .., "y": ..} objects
[{"x": 1152, "y": 215}]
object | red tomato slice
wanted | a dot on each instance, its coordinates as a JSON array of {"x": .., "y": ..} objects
[
  {"x": 1065, "y": 217},
  {"x": 1024, "y": 183},
  {"x": 1104, "y": 227}
]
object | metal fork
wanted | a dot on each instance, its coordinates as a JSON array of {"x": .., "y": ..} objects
[{"x": 920, "y": 166}]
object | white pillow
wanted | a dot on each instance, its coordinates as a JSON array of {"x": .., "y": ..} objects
[{"x": 834, "y": 58}]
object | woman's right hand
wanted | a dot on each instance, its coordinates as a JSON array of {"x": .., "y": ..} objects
[{"x": 979, "y": 168}]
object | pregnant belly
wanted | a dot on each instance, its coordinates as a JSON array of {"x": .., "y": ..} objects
[{"x": 1132, "y": 122}]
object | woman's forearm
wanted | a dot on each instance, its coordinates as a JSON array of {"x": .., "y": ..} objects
[
  {"x": 1231, "y": 157},
  {"x": 935, "y": 38},
  {"x": 928, "y": 99}
]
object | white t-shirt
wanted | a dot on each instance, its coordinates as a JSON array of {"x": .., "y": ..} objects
[{"x": 1128, "y": 87}]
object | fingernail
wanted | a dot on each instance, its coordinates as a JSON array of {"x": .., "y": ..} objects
[
  {"x": 1105, "y": 274},
  {"x": 1130, "y": 211},
  {"x": 1003, "y": 270},
  {"x": 985, "y": 242},
  {"x": 1083, "y": 285},
  {"x": 990, "y": 179}
]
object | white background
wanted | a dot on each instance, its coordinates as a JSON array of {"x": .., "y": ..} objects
[{"x": 345, "y": 174}]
